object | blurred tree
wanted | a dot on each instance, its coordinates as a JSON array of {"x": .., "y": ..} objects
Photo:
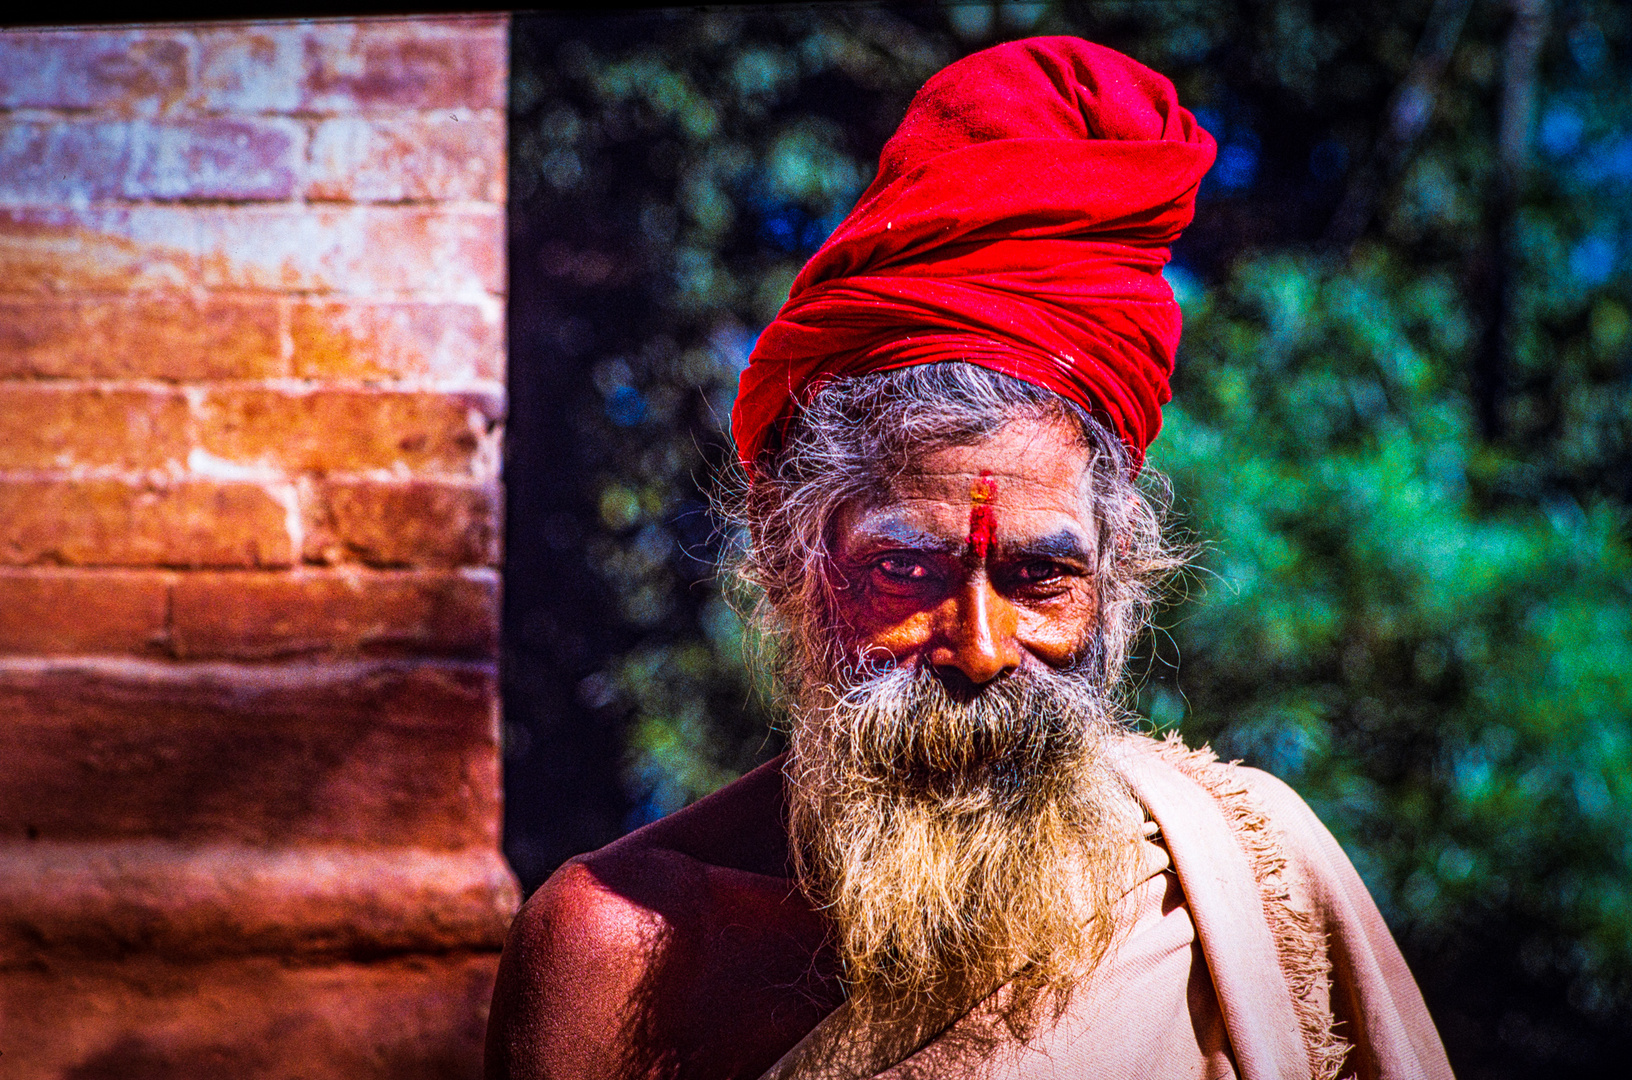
[{"x": 1402, "y": 427}]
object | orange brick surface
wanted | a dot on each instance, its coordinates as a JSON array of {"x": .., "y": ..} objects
[
  {"x": 371, "y": 754},
  {"x": 64, "y": 425},
  {"x": 261, "y": 1018},
  {"x": 252, "y": 346},
  {"x": 50, "y": 611},
  {"x": 439, "y": 155},
  {"x": 339, "y": 67},
  {"x": 406, "y": 523},
  {"x": 205, "y": 901},
  {"x": 256, "y": 615},
  {"x": 394, "y": 339},
  {"x": 53, "y": 250},
  {"x": 369, "y": 250},
  {"x": 159, "y": 337},
  {"x": 112, "y": 522},
  {"x": 348, "y": 430}
]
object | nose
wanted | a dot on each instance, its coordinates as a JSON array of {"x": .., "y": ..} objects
[{"x": 979, "y": 638}]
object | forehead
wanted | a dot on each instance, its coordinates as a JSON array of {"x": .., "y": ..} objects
[{"x": 1038, "y": 468}]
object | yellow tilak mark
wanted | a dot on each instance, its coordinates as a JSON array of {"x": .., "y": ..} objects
[{"x": 982, "y": 520}]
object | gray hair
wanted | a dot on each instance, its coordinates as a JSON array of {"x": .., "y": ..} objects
[{"x": 850, "y": 442}]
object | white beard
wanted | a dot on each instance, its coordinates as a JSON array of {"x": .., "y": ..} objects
[{"x": 961, "y": 844}]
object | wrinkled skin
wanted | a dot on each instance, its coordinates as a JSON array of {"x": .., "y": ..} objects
[
  {"x": 915, "y": 590},
  {"x": 684, "y": 949}
]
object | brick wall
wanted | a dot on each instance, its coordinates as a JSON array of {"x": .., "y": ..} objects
[{"x": 251, "y": 360}]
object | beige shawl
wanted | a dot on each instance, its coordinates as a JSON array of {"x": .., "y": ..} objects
[{"x": 1307, "y": 978}]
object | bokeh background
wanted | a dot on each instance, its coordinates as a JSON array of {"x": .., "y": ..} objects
[{"x": 1402, "y": 430}]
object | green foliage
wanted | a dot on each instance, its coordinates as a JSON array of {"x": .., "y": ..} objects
[
  {"x": 1448, "y": 684},
  {"x": 1409, "y": 460}
]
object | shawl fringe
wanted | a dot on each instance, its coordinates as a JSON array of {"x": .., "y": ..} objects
[{"x": 1300, "y": 944}]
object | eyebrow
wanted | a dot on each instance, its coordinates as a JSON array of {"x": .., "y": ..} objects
[
  {"x": 909, "y": 539},
  {"x": 1062, "y": 546}
]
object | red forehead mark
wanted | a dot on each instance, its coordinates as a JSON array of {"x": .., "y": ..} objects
[{"x": 982, "y": 515}]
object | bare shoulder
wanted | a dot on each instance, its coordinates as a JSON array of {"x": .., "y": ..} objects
[
  {"x": 576, "y": 953},
  {"x": 629, "y": 960}
]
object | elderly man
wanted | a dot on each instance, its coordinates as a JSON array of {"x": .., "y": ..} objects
[{"x": 966, "y": 864}]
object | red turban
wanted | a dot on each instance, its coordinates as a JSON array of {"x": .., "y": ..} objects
[{"x": 1020, "y": 220}]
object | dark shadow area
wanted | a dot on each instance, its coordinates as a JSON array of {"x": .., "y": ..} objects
[{"x": 563, "y": 788}]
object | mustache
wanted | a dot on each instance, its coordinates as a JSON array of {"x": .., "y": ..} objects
[
  {"x": 908, "y": 730},
  {"x": 912, "y": 729}
]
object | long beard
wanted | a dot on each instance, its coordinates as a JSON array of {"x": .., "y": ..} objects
[{"x": 958, "y": 845}]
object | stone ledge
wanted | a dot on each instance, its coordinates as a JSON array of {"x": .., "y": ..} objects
[
  {"x": 250, "y": 1018},
  {"x": 366, "y": 754},
  {"x": 191, "y": 902}
]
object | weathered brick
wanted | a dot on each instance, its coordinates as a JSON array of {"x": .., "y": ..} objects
[
  {"x": 164, "y": 337},
  {"x": 215, "y": 158},
  {"x": 363, "y": 340},
  {"x": 371, "y": 754},
  {"x": 61, "y": 161},
  {"x": 258, "y": 1018},
  {"x": 403, "y": 523},
  {"x": 110, "y": 522},
  {"x": 118, "y": 71},
  {"x": 69, "y": 160},
  {"x": 344, "y": 67},
  {"x": 257, "y": 616},
  {"x": 253, "y": 68},
  {"x": 426, "y": 156},
  {"x": 372, "y": 250},
  {"x": 166, "y": 802},
  {"x": 45, "y": 611},
  {"x": 98, "y": 250},
  {"x": 212, "y": 901},
  {"x": 62, "y": 425},
  {"x": 340, "y": 430},
  {"x": 367, "y": 250},
  {"x": 418, "y": 65}
]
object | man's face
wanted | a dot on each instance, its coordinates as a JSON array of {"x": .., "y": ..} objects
[
  {"x": 952, "y": 807},
  {"x": 982, "y": 562}
]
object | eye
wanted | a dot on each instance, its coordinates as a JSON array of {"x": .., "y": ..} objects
[
  {"x": 1038, "y": 572},
  {"x": 1040, "y": 578},
  {"x": 905, "y": 574},
  {"x": 899, "y": 568}
]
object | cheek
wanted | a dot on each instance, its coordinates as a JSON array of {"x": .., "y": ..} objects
[
  {"x": 887, "y": 622},
  {"x": 1058, "y": 633},
  {"x": 1055, "y": 641}
]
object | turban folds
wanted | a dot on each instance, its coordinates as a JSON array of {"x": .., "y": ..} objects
[{"x": 1020, "y": 220}]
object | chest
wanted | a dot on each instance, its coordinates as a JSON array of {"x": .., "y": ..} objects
[{"x": 726, "y": 996}]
